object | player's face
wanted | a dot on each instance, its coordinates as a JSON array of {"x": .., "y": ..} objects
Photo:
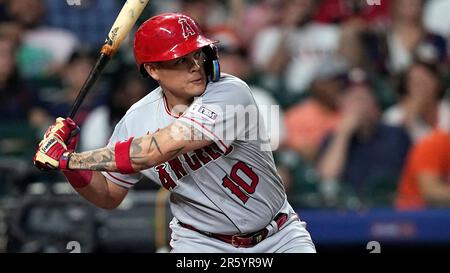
[{"x": 184, "y": 76}]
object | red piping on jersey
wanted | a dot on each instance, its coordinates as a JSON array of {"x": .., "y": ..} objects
[
  {"x": 121, "y": 180},
  {"x": 166, "y": 107},
  {"x": 221, "y": 142}
]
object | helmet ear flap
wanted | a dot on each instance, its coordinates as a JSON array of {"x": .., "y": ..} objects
[{"x": 212, "y": 65}]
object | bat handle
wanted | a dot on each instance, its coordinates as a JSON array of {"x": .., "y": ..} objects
[{"x": 102, "y": 61}]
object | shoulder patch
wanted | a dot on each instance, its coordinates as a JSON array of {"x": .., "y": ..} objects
[{"x": 205, "y": 112}]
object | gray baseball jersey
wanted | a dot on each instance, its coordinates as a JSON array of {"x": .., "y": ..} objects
[{"x": 231, "y": 186}]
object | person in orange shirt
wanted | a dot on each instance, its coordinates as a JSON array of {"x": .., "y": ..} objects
[
  {"x": 308, "y": 122},
  {"x": 426, "y": 177}
]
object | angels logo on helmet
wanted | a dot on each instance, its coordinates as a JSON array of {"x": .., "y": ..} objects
[{"x": 187, "y": 29}]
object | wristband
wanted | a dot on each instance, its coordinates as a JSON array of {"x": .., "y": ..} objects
[
  {"x": 122, "y": 155},
  {"x": 64, "y": 161}
]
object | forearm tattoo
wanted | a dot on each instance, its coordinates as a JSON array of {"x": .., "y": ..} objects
[
  {"x": 97, "y": 160},
  {"x": 139, "y": 159},
  {"x": 155, "y": 143},
  {"x": 187, "y": 133},
  {"x": 145, "y": 152},
  {"x": 176, "y": 152}
]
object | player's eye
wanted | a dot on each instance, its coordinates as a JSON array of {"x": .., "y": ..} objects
[
  {"x": 200, "y": 55},
  {"x": 181, "y": 60}
]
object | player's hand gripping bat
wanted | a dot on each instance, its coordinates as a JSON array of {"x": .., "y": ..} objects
[{"x": 126, "y": 19}]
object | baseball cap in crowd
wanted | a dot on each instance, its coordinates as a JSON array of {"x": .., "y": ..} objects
[
  {"x": 331, "y": 68},
  {"x": 357, "y": 76}
]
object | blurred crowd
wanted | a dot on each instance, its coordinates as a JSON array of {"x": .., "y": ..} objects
[{"x": 362, "y": 89}]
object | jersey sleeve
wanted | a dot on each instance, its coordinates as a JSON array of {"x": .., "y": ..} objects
[
  {"x": 223, "y": 113},
  {"x": 124, "y": 180}
]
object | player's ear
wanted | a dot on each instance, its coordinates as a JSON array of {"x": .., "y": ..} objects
[{"x": 152, "y": 70}]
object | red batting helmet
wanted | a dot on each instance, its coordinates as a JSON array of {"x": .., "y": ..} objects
[{"x": 167, "y": 36}]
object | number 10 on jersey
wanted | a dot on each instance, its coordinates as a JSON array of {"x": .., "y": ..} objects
[{"x": 239, "y": 186}]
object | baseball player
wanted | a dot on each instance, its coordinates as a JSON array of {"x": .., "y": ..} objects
[{"x": 226, "y": 195}]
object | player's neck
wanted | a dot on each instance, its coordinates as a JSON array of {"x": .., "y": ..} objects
[{"x": 176, "y": 105}]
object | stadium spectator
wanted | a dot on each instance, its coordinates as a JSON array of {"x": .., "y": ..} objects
[
  {"x": 341, "y": 11},
  {"x": 15, "y": 97},
  {"x": 426, "y": 178},
  {"x": 208, "y": 13},
  {"x": 408, "y": 37},
  {"x": 295, "y": 49},
  {"x": 44, "y": 50},
  {"x": 309, "y": 121},
  {"x": 436, "y": 17},
  {"x": 13, "y": 30},
  {"x": 421, "y": 107},
  {"x": 16, "y": 100},
  {"x": 391, "y": 51},
  {"x": 56, "y": 102},
  {"x": 258, "y": 16},
  {"x": 363, "y": 157},
  {"x": 83, "y": 20}
]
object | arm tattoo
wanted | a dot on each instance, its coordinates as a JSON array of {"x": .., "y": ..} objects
[
  {"x": 97, "y": 160},
  {"x": 104, "y": 159},
  {"x": 136, "y": 155},
  {"x": 188, "y": 133},
  {"x": 175, "y": 152},
  {"x": 153, "y": 141},
  {"x": 135, "y": 147}
]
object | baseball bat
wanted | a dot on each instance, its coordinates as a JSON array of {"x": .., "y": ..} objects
[{"x": 126, "y": 19}]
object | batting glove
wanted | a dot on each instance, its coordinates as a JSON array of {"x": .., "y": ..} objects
[{"x": 59, "y": 141}]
